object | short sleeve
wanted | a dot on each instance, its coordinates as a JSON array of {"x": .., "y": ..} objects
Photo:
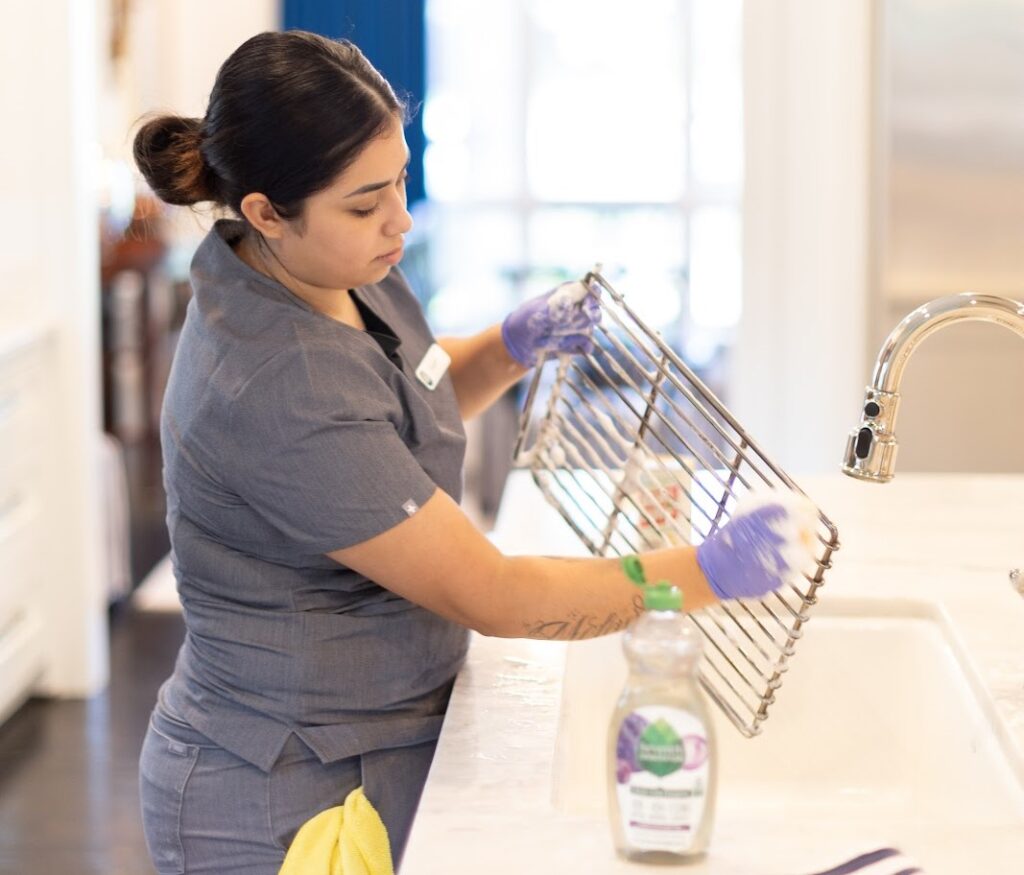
[{"x": 314, "y": 450}]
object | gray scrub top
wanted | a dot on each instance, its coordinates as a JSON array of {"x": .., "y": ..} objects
[{"x": 287, "y": 434}]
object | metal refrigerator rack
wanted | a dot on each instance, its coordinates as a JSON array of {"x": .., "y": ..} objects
[{"x": 635, "y": 452}]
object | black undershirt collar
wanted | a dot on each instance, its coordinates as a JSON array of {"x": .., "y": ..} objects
[{"x": 379, "y": 330}]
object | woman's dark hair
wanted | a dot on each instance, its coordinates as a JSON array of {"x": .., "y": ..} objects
[{"x": 287, "y": 114}]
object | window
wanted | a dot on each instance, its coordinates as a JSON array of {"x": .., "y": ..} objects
[{"x": 560, "y": 132}]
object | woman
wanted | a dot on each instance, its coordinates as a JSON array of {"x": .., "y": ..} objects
[{"x": 313, "y": 446}]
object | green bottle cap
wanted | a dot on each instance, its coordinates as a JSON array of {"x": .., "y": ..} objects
[{"x": 662, "y": 596}]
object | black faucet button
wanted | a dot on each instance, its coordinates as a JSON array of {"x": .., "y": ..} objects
[
  {"x": 863, "y": 445},
  {"x": 872, "y": 409}
]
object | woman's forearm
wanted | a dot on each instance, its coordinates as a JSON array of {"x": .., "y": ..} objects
[
  {"x": 572, "y": 599},
  {"x": 481, "y": 369},
  {"x": 438, "y": 560}
]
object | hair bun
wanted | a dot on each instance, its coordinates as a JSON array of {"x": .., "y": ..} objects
[{"x": 167, "y": 152}]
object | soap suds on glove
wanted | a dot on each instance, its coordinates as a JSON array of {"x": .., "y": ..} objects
[
  {"x": 796, "y": 527},
  {"x": 567, "y": 295}
]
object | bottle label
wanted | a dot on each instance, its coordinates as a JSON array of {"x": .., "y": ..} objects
[{"x": 662, "y": 775}]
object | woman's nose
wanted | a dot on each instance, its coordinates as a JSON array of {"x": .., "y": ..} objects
[{"x": 399, "y": 223}]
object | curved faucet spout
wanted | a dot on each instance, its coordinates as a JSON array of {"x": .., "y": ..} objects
[
  {"x": 929, "y": 318},
  {"x": 871, "y": 447}
]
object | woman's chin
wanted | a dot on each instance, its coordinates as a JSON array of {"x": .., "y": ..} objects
[{"x": 382, "y": 270}]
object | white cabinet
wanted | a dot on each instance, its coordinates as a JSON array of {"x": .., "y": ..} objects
[
  {"x": 23, "y": 489},
  {"x": 49, "y": 326}
]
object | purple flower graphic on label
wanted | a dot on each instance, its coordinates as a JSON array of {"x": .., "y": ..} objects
[
  {"x": 696, "y": 751},
  {"x": 630, "y": 731}
]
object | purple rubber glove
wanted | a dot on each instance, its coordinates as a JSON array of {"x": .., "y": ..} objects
[
  {"x": 561, "y": 320},
  {"x": 766, "y": 544}
]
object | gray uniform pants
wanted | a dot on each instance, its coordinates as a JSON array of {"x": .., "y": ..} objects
[{"x": 205, "y": 810}]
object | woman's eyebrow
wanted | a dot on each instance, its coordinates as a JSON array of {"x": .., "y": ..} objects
[{"x": 374, "y": 186}]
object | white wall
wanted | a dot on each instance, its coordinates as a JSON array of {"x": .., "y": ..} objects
[
  {"x": 949, "y": 218},
  {"x": 174, "y": 50},
  {"x": 178, "y": 46},
  {"x": 800, "y": 366}
]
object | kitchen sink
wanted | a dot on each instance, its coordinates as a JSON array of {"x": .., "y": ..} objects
[{"x": 879, "y": 734}]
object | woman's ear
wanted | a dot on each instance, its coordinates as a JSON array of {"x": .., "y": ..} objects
[{"x": 260, "y": 213}]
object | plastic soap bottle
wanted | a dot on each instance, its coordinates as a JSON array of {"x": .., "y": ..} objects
[{"x": 661, "y": 748}]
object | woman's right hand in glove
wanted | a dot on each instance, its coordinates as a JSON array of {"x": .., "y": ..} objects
[{"x": 767, "y": 543}]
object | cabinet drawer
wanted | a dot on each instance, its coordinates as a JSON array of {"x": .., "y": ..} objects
[
  {"x": 21, "y": 492},
  {"x": 21, "y": 660},
  {"x": 22, "y": 438},
  {"x": 20, "y": 557},
  {"x": 22, "y": 397}
]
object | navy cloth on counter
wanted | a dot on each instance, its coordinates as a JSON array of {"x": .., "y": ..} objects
[
  {"x": 286, "y": 435},
  {"x": 884, "y": 861}
]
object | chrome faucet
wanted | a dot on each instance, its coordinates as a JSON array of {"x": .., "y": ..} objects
[{"x": 871, "y": 448}]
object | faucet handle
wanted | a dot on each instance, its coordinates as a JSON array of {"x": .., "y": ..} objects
[{"x": 1017, "y": 579}]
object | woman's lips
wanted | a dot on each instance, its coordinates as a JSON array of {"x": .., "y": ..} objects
[{"x": 392, "y": 257}]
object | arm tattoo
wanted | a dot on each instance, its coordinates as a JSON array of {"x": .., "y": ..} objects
[{"x": 577, "y": 627}]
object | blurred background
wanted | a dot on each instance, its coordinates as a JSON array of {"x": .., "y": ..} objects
[{"x": 773, "y": 184}]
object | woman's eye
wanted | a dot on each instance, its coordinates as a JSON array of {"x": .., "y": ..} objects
[{"x": 362, "y": 214}]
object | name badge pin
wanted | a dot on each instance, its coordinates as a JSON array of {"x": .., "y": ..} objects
[{"x": 433, "y": 366}]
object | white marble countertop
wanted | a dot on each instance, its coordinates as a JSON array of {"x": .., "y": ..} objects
[{"x": 949, "y": 540}]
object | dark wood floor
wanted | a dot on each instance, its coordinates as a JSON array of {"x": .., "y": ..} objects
[{"x": 69, "y": 769}]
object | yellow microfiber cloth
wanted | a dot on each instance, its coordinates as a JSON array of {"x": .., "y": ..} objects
[{"x": 348, "y": 839}]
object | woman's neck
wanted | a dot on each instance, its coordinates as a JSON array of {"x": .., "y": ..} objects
[{"x": 336, "y": 303}]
